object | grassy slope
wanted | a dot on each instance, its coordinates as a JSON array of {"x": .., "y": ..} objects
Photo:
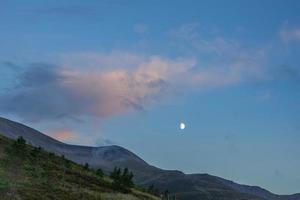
[{"x": 47, "y": 176}]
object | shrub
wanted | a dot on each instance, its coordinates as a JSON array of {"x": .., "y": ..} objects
[
  {"x": 86, "y": 166},
  {"x": 99, "y": 173},
  {"x": 122, "y": 179}
]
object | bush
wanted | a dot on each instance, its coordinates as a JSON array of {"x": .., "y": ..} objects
[
  {"x": 86, "y": 166},
  {"x": 152, "y": 190},
  {"x": 122, "y": 179},
  {"x": 99, "y": 173},
  {"x": 35, "y": 151},
  {"x": 18, "y": 148},
  {"x": 20, "y": 144}
]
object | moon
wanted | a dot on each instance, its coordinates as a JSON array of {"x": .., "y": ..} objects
[{"x": 182, "y": 126}]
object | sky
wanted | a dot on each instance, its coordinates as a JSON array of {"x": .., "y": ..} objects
[{"x": 128, "y": 72}]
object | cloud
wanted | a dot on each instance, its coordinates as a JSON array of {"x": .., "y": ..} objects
[
  {"x": 140, "y": 28},
  {"x": 104, "y": 142},
  {"x": 112, "y": 92},
  {"x": 221, "y": 61},
  {"x": 205, "y": 43},
  {"x": 68, "y": 10},
  {"x": 10, "y": 65},
  {"x": 70, "y": 136},
  {"x": 187, "y": 31},
  {"x": 287, "y": 72},
  {"x": 37, "y": 95},
  {"x": 289, "y": 34},
  {"x": 104, "y": 61},
  {"x": 45, "y": 91},
  {"x": 63, "y": 134},
  {"x": 264, "y": 96},
  {"x": 104, "y": 85}
]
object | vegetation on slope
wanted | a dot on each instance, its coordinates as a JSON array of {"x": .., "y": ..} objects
[{"x": 31, "y": 173}]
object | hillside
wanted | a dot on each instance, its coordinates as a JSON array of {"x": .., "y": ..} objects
[
  {"x": 184, "y": 186},
  {"x": 33, "y": 173}
]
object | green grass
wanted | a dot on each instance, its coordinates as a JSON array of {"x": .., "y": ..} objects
[{"x": 37, "y": 174}]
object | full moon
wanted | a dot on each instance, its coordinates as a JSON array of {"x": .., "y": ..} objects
[{"x": 182, "y": 126}]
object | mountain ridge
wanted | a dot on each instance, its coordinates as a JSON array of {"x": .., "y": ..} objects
[
  {"x": 186, "y": 186},
  {"x": 31, "y": 173}
]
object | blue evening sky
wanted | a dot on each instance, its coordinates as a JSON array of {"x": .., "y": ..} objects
[{"x": 127, "y": 72}]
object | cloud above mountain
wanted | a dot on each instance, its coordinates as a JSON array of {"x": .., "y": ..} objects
[
  {"x": 103, "y": 85},
  {"x": 45, "y": 91},
  {"x": 110, "y": 92}
]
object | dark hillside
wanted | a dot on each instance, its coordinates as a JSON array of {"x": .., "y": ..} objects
[{"x": 28, "y": 172}]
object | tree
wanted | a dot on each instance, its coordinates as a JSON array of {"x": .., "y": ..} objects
[
  {"x": 86, "y": 166},
  {"x": 35, "y": 152},
  {"x": 151, "y": 188},
  {"x": 122, "y": 179},
  {"x": 115, "y": 174},
  {"x": 14, "y": 160},
  {"x": 129, "y": 180},
  {"x": 166, "y": 194},
  {"x": 99, "y": 172},
  {"x": 125, "y": 177},
  {"x": 19, "y": 146},
  {"x": 118, "y": 173}
]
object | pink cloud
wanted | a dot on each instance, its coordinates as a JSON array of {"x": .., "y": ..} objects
[
  {"x": 111, "y": 92},
  {"x": 142, "y": 81},
  {"x": 63, "y": 134}
]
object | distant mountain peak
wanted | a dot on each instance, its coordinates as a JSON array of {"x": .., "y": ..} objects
[{"x": 186, "y": 186}]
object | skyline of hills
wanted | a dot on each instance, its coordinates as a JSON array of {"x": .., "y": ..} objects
[{"x": 185, "y": 186}]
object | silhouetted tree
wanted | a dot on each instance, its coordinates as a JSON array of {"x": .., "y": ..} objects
[
  {"x": 99, "y": 172},
  {"x": 51, "y": 154},
  {"x": 125, "y": 177},
  {"x": 152, "y": 190},
  {"x": 122, "y": 179},
  {"x": 115, "y": 174},
  {"x": 129, "y": 180},
  {"x": 35, "y": 152},
  {"x": 86, "y": 166},
  {"x": 166, "y": 194},
  {"x": 14, "y": 160},
  {"x": 19, "y": 146}
]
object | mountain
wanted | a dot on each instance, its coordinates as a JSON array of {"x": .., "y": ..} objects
[
  {"x": 184, "y": 186},
  {"x": 31, "y": 173}
]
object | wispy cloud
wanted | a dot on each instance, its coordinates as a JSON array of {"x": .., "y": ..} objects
[
  {"x": 286, "y": 72},
  {"x": 140, "y": 28},
  {"x": 186, "y": 31},
  {"x": 290, "y": 34},
  {"x": 221, "y": 61},
  {"x": 68, "y": 10},
  {"x": 104, "y": 142},
  {"x": 10, "y": 65},
  {"x": 264, "y": 96}
]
